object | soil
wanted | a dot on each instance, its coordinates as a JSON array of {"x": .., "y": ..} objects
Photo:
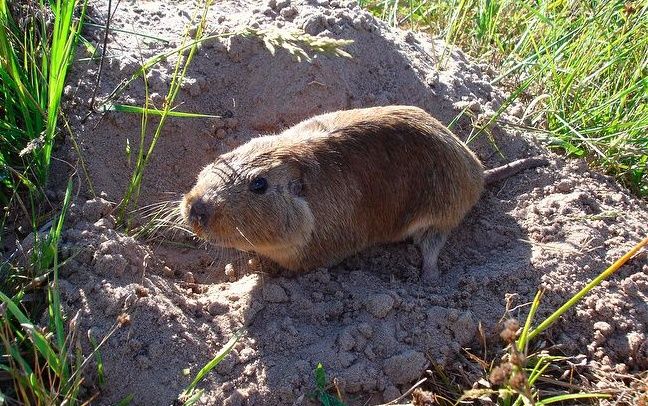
[{"x": 369, "y": 321}]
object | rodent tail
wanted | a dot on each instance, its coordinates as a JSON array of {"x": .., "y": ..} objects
[{"x": 511, "y": 168}]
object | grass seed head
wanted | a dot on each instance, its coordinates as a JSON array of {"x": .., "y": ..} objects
[
  {"x": 422, "y": 397},
  {"x": 500, "y": 373},
  {"x": 141, "y": 291},
  {"x": 518, "y": 380},
  {"x": 517, "y": 358},
  {"x": 511, "y": 327},
  {"x": 124, "y": 319}
]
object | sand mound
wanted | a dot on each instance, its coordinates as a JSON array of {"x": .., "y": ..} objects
[{"x": 368, "y": 320}]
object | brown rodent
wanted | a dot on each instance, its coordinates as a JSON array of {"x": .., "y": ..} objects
[{"x": 340, "y": 182}]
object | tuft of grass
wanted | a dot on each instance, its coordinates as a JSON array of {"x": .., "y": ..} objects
[
  {"x": 44, "y": 364},
  {"x": 587, "y": 61},
  {"x": 190, "y": 395},
  {"x": 144, "y": 153},
  {"x": 40, "y": 365},
  {"x": 521, "y": 370},
  {"x": 37, "y": 44},
  {"x": 321, "y": 392}
]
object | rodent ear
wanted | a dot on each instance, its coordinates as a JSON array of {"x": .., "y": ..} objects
[
  {"x": 296, "y": 187},
  {"x": 300, "y": 165}
]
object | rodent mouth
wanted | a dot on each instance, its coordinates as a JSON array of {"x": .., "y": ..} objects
[
  {"x": 198, "y": 230},
  {"x": 194, "y": 226},
  {"x": 205, "y": 227},
  {"x": 209, "y": 236},
  {"x": 196, "y": 214}
]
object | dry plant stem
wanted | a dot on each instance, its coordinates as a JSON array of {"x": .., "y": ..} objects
[
  {"x": 404, "y": 395},
  {"x": 103, "y": 53},
  {"x": 571, "y": 302},
  {"x": 79, "y": 154}
]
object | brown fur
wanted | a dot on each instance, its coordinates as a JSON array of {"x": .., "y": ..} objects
[{"x": 339, "y": 183}]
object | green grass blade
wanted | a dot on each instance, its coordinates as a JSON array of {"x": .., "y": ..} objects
[
  {"x": 522, "y": 342},
  {"x": 194, "y": 398},
  {"x": 126, "y": 400},
  {"x": 139, "y": 34},
  {"x": 39, "y": 341},
  {"x": 214, "y": 362},
  {"x": 54, "y": 295},
  {"x": 98, "y": 359},
  {"x": 579, "y": 295},
  {"x": 573, "y": 396},
  {"x": 126, "y": 108}
]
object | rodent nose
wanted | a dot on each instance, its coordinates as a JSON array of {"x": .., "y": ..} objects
[{"x": 199, "y": 213}]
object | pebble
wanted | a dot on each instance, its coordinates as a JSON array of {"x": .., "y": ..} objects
[
  {"x": 253, "y": 264},
  {"x": 464, "y": 328},
  {"x": 168, "y": 272},
  {"x": 105, "y": 223},
  {"x": 189, "y": 277},
  {"x": 380, "y": 305},
  {"x": 604, "y": 327},
  {"x": 517, "y": 110},
  {"x": 564, "y": 186},
  {"x": 472, "y": 105},
  {"x": 230, "y": 272},
  {"x": 141, "y": 291}
]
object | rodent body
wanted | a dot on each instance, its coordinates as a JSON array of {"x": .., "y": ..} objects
[{"x": 337, "y": 183}]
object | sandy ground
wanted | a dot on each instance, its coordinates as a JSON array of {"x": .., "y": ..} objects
[{"x": 369, "y": 321}]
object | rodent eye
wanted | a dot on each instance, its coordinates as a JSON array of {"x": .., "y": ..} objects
[{"x": 258, "y": 185}]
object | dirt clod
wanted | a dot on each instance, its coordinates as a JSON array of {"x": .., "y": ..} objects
[
  {"x": 95, "y": 209},
  {"x": 405, "y": 367},
  {"x": 274, "y": 293},
  {"x": 380, "y": 305}
]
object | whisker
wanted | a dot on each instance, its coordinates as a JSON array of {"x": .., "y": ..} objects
[
  {"x": 162, "y": 217},
  {"x": 246, "y": 239},
  {"x": 157, "y": 206}
]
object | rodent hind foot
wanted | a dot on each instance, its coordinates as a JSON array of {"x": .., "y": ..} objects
[{"x": 430, "y": 243}]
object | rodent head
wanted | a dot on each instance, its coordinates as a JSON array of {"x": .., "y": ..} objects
[{"x": 251, "y": 198}]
